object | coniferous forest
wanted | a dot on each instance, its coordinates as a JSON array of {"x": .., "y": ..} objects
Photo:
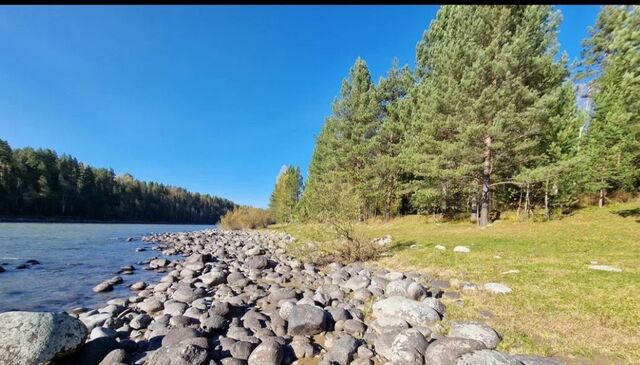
[
  {"x": 37, "y": 183},
  {"x": 492, "y": 118}
]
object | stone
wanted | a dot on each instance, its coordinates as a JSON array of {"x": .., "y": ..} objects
[
  {"x": 461, "y": 249},
  {"x": 416, "y": 291},
  {"x": 140, "y": 321},
  {"x": 436, "y": 304},
  {"x": 497, "y": 288},
  {"x": 177, "y": 335},
  {"x": 408, "y": 348},
  {"x": 440, "y": 247},
  {"x": 257, "y": 262},
  {"x": 115, "y": 357},
  {"x": 103, "y": 287},
  {"x": 214, "y": 323},
  {"x": 446, "y": 350},
  {"x": 269, "y": 352},
  {"x": 488, "y": 357},
  {"x": 342, "y": 350},
  {"x": 179, "y": 354},
  {"x": 306, "y": 319},
  {"x": 605, "y": 268},
  {"x": 242, "y": 350},
  {"x": 414, "y": 312},
  {"x": 38, "y": 337},
  {"x": 213, "y": 278},
  {"x": 389, "y": 324},
  {"x": 476, "y": 331},
  {"x": 357, "y": 282},
  {"x": 150, "y": 305},
  {"x": 102, "y": 332},
  {"x": 140, "y": 285}
]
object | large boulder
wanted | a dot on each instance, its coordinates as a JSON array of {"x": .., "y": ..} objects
[
  {"x": 342, "y": 350},
  {"x": 38, "y": 337},
  {"x": 306, "y": 319},
  {"x": 417, "y": 314}
]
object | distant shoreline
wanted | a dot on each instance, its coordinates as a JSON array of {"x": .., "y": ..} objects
[{"x": 80, "y": 220}]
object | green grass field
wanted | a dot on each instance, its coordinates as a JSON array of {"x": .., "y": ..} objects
[{"x": 558, "y": 306}]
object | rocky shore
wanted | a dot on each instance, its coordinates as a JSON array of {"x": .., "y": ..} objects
[{"x": 236, "y": 297}]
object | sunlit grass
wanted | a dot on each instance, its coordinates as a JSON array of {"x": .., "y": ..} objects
[{"x": 559, "y": 306}]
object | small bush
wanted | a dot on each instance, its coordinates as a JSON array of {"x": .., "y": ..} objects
[{"x": 246, "y": 218}]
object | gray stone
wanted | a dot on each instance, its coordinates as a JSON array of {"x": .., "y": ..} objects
[
  {"x": 408, "y": 348},
  {"x": 306, "y": 320},
  {"x": 98, "y": 332},
  {"x": 242, "y": 350},
  {"x": 461, "y": 249},
  {"x": 213, "y": 278},
  {"x": 150, "y": 305},
  {"x": 257, "y": 262},
  {"x": 414, "y": 312},
  {"x": 214, "y": 323},
  {"x": 140, "y": 321},
  {"x": 608, "y": 268},
  {"x": 342, "y": 350},
  {"x": 497, "y": 288},
  {"x": 179, "y": 354},
  {"x": 177, "y": 335},
  {"x": 269, "y": 352},
  {"x": 445, "y": 351},
  {"x": 357, "y": 282},
  {"x": 37, "y": 337},
  {"x": 115, "y": 357},
  {"x": 476, "y": 331},
  {"x": 103, "y": 287}
]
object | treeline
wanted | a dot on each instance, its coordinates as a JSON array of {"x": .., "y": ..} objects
[
  {"x": 488, "y": 120},
  {"x": 37, "y": 183}
]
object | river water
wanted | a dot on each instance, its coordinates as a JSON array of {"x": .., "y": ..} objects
[{"x": 74, "y": 257}]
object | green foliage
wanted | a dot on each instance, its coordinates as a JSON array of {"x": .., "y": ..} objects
[
  {"x": 286, "y": 194},
  {"x": 488, "y": 120},
  {"x": 246, "y": 218},
  {"x": 39, "y": 183},
  {"x": 612, "y": 58}
]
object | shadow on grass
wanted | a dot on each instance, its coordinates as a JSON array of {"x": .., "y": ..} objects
[
  {"x": 629, "y": 213},
  {"x": 402, "y": 245}
]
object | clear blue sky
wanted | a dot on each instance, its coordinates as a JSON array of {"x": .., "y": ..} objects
[{"x": 213, "y": 99}]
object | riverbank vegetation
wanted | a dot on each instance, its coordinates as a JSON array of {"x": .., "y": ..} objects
[
  {"x": 491, "y": 119},
  {"x": 244, "y": 217},
  {"x": 38, "y": 183}
]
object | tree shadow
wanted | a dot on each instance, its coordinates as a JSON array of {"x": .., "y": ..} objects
[
  {"x": 629, "y": 213},
  {"x": 402, "y": 245}
]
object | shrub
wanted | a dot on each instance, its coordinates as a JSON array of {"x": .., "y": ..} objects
[{"x": 246, "y": 218}]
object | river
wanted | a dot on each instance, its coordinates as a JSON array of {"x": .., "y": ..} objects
[{"x": 74, "y": 257}]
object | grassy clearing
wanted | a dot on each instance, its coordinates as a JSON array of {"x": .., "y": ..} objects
[{"x": 558, "y": 307}]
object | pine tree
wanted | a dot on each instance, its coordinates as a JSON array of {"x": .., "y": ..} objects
[
  {"x": 489, "y": 71},
  {"x": 612, "y": 61}
]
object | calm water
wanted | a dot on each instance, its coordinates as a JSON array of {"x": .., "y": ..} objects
[{"x": 74, "y": 257}]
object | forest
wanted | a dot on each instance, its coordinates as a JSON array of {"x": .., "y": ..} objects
[
  {"x": 37, "y": 184},
  {"x": 491, "y": 118}
]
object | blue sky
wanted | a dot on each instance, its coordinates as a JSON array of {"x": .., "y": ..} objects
[{"x": 213, "y": 99}]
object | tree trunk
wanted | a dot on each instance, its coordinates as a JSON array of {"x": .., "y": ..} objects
[
  {"x": 547, "y": 215},
  {"x": 519, "y": 204},
  {"x": 526, "y": 203},
  {"x": 443, "y": 204},
  {"x": 474, "y": 209},
  {"x": 486, "y": 181},
  {"x": 603, "y": 192}
]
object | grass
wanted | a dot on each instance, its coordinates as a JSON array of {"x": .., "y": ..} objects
[{"x": 558, "y": 306}]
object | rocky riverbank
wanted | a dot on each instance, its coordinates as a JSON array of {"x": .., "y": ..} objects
[{"x": 235, "y": 297}]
